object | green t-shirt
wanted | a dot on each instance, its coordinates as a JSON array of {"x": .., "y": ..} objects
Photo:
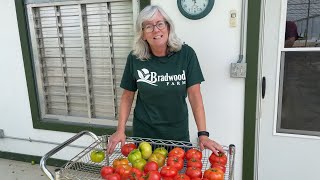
[{"x": 161, "y": 110}]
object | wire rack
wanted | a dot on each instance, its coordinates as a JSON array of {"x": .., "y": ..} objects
[{"x": 81, "y": 167}]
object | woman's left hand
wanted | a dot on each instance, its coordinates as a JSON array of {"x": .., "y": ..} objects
[{"x": 205, "y": 142}]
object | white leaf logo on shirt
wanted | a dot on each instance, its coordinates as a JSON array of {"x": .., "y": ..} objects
[{"x": 144, "y": 75}]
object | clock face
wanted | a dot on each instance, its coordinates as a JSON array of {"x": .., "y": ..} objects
[{"x": 195, "y": 9}]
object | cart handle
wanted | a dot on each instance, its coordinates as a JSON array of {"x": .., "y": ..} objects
[{"x": 58, "y": 148}]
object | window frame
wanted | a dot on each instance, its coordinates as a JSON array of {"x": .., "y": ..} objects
[{"x": 37, "y": 121}]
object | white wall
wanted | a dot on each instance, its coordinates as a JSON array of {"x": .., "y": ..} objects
[{"x": 216, "y": 44}]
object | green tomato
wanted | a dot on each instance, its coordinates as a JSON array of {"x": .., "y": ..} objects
[
  {"x": 97, "y": 156},
  {"x": 146, "y": 149},
  {"x": 161, "y": 150},
  {"x": 134, "y": 155},
  {"x": 139, "y": 164}
]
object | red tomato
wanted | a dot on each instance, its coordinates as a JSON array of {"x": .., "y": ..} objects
[
  {"x": 194, "y": 163},
  {"x": 222, "y": 158},
  {"x": 151, "y": 166},
  {"x": 179, "y": 152},
  {"x": 205, "y": 179},
  {"x": 219, "y": 166},
  {"x": 123, "y": 171},
  {"x": 127, "y": 148},
  {"x": 193, "y": 153},
  {"x": 194, "y": 172},
  {"x": 135, "y": 174},
  {"x": 181, "y": 177},
  {"x": 213, "y": 174},
  {"x": 168, "y": 172},
  {"x": 175, "y": 162},
  {"x": 197, "y": 178},
  {"x": 106, "y": 170},
  {"x": 113, "y": 176},
  {"x": 153, "y": 175}
]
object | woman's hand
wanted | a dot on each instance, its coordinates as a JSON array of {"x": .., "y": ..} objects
[
  {"x": 114, "y": 139},
  {"x": 205, "y": 142}
]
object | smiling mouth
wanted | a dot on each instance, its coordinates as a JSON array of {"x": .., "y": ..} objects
[{"x": 158, "y": 37}]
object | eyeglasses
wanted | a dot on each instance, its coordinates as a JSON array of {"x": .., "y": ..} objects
[{"x": 150, "y": 27}]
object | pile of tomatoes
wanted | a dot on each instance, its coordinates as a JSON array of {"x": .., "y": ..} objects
[{"x": 141, "y": 163}]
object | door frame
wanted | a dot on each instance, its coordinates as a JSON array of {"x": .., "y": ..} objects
[{"x": 251, "y": 88}]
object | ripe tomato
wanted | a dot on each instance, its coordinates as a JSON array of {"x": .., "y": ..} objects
[
  {"x": 153, "y": 175},
  {"x": 213, "y": 174},
  {"x": 106, "y": 170},
  {"x": 175, "y": 162},
  {"x": 120, "y": 161},
  {"x": 181, "y": 177},
  {"x": 179, "y": 152},
  {"x": 168, "y": 172},
  {"x": 219, "y": 166},
  {"x": 194, "y": 172},
  {"x": 193, "y": 153},
  {"x": 127, "y": 148},
  {"x": 222, "y": 158},
  {"x": 123, "y": 171},
  {"x": 194, "y": 163},
  {"x": 113, "y": 176},
  {"x": 151, "y": 166},
  {"x": 135, "y": 174}
]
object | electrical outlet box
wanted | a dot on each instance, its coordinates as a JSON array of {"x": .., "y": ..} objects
[
  {"x": 238, "y": 70},
  {"x": 1, "y": 133}
]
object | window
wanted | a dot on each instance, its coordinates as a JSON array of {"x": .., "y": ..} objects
[
  {"x": 79, "y": 53},
  {"x": 299, "y": 102}
]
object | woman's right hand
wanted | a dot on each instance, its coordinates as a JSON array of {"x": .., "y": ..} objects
[{"x": 114, "y": 139}]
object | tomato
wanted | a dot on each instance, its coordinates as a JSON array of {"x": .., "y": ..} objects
[
  {"x": 106, "y": 170},
  {"x": 151, "y": 166},
  {"x": 194, "y": 172},
  {"x": 127, "y": 148},
  {"x": 193, "y": 153},
  {"x": 179, "y": 152},
  {"x": 135, "y": 174},
  {"x": 161, "y": 150},
  {"x": 168, "y": 172},
  {"x": 139, "y": 163},
  {"x": 120, "y": 161},
  {"x": 123, "y": 170},
  {"x": 158, "y": 158},
  {"x": 219, "y": 166},
  {"x": 113, "y": 176},
  {"x": 134, "y": 155},
  {"x": 97, "y": 156},
  {"x": 213, "y": 174},
  {"x": 175, "y": 162},
  {"x": 145, "y": 149},
  {"x": 153, "y": 175},
  {"x": 221, "y": 158},
  {"x": 194, "y": 163},
  {"x": 181, "y": 177}
]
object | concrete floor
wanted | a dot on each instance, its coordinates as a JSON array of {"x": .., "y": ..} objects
[{"x": 17, "y": 170}]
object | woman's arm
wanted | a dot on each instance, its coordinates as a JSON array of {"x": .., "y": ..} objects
[
  {"x": 195, "y": 99},
  {"x": 125, "y": 108}
]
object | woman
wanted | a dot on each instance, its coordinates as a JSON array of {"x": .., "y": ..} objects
[{"x": 164, "y": 71}]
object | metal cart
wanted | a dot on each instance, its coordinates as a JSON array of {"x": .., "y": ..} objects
[{"x": 81, "y": 167}]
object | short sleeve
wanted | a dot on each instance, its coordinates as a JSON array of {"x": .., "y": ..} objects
[
  {"x": 128, "y": 80},
  {"x": 194, "y": 73}
]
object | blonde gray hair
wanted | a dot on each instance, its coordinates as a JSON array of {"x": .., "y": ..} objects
[{"x": 141, "y": 47}]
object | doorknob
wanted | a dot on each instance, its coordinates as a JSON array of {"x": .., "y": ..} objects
[{"x": 263, "y": 87}]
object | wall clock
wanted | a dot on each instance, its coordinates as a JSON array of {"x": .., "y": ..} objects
[{"x": 195, "y": 9}]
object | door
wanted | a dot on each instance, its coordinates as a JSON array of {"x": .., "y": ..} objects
[{"x": 288, "y": 126}]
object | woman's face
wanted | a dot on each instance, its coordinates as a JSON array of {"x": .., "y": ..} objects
[{"x": 158, "y": 38}]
